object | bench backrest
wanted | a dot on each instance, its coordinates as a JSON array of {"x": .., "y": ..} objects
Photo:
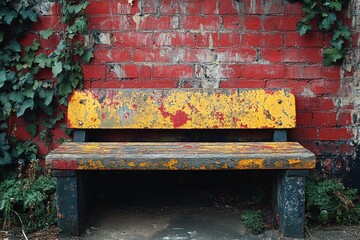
[{"x": 181, "y": 109}]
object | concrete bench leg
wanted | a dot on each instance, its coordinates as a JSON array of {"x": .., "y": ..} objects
[
  {"x": 291, "y": 202},
  {"x": 68, "y": 202}
]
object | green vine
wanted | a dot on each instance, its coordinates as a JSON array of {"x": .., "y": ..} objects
[
  {"x": 327, "y": 13},
  {"x": 22, "y": 94}
]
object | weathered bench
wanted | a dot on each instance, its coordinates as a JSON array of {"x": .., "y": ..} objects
[{"x": 110, "y": 109}]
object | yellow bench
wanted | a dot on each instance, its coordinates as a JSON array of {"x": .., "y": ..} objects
[{"x": 109, "y": 109}]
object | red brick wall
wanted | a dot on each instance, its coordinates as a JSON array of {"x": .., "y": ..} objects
[{"x": 230, "y": 44}]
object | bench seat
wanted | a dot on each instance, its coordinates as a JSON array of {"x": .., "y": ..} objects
[{"x": 180, "y": 156}]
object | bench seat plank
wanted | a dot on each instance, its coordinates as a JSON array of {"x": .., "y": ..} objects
[{"x": 180, "y": 156}]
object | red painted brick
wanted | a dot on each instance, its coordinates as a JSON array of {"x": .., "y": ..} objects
[
  {"x": 331, "y": 72},
  {"x": 93, "y": 71},
  {"x": 28, "y": 39},
  {"x": 303, "y": 134},
  {"x": 111, "y": 55},
  {"x": 128, "y": 71},
  {"x": 218, "y": 39},
  {"x": 273, "y": 55},
  {"x": 44, "y": 74},
  {"x": 157, "y": 23},
  {"x": 200, "y": 22},
  {"x": 314, "y": 104},
  {"x": 273, "y": 7},
  {"x": 108, "y": 23},
  {"x": 133, "y": 39},
  {"x": 209, "y": 6},
  {"x": 228, "y": 7},
  {"x": 282, "y": 23},
  {"x": 262, "y": 39},
  {"x": 335, "y": 134},
  {"x": 175, "y": 39},
  {"x": 311, "y": 55},
  {"x": 324, "y": 119},
  {"x": 236, "y": 55},
  {"x": 151, "y": 55},
  {"x": 236, "y": 22},
  {"x": 304, "y": 119},
  {"x": 293, "y": 8},
  {"x": 344, "y": 119},
  {"x": 293, "y": 39},
  {"x": 304, "y": 72},
  {"x": 297, "y": 86},
  {"x": 242, "y": 83},
  {"x": 193, "y": 55},
  {"x": 347, "y": 149},
  {"x": 252, "y": 7},
  {"x": 123, "y": 7},
  {"x": 255, "y": 71},
  {"x": 100, "y": 7},
  {"x": 193, "y": 7},
  {"x": 46, "y": 22},
  {"x": 177, "y": 71},
  {"x": 170, "y": 6},
  {"x": 320, "y": 87},
  {"x": 50, "y": 43},
  {"x": 136, "y": 83}
]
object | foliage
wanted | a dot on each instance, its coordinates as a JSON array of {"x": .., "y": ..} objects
[
  {"x": 22, "y": 93},
  {"x": 327, "y": 13},
  {"x": 28, "y": 200},
  {"x": 328, "y": 201},
  {"x": 254, "y": 220}
]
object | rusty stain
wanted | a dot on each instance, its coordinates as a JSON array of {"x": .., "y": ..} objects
[
  {"x": 250, "y": 164},
  {"x": 181, "y": 108}
]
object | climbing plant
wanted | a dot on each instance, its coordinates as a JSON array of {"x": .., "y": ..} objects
[
  {"x": 22, "y": 93},
  {"x": 327, "y": 13}
]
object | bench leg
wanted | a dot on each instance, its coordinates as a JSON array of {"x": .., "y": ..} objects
[
  {"x": 68, "y": 202},
  {"x": 290, "y": 202}
]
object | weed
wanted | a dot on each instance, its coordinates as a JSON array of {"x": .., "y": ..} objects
[
  {"x": 254, "y": 220},
  {"x": 328, "y": 201},
  {"x": 28, "y": 200}
]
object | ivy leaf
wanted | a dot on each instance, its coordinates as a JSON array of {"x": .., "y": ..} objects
[
  {"x": 2, "y": 78},
  {"x": 335, "y": 5},
  {"x": 48, "y": 97},
  {"x": 332, "y": 55},
  {"x": 14, "y": 46},
  {"x": 328, "y": 21},
  {"x": 46, "y": 33},
  {"x": 337, "y": 44},
  {"x": 47, "y": 109},
  {"x": 57, "y": 68},
  {"x": 32, "y": 129},
  {"x": 29, "y": 14},
  {"x": 1, "y": 36},
  {"x": 28, "y": 103},
  {"x": 86, "y": 57},
  {"x": 341, "y": 31},
  {"x": 304, "y": 28},
  {"x": 10, "y": 16},
  {"x": 43, "y": 60}
]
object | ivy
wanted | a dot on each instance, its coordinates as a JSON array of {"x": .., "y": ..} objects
[
  {"x": 22, "y": 93},
  {"x": 327, "y": 14}
]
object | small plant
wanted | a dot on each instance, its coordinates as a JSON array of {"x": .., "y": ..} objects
[
  {"x": 28, "y": 200},
  {"x": 328, "y": 201},
  {"x": 253, "y": 220}
]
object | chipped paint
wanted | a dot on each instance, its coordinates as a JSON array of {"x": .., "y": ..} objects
[
  {"x": 250, "y": 164},
  {"x": 181, "y": 108}
]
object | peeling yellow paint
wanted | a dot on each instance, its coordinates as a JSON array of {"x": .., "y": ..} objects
[
  {"x": 144, "y": 165},
  {"x": 131, "y": 164},
  {"x": 171, "y": 164},
  {"x": 181, "y": 108},
  {"x": 251, "y": 164}
]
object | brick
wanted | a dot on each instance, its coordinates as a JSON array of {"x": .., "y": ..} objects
[
  {"x": 128, "y": 71},
  {"x": 108, "y": 23},
  {"x": 193, "y": 7},
  {"x": 262, "y": 39},
  {"x": 310, "y": 55},
  {"x": 151, "y": 55},
  {"x": 170, "y": 6},
  {"x": 273, "y": 55},
  {"x": 236, "y": 22},
  {"x": 281, "y": 23},
  {"x": 327, "y": 119},
  {"x": 252, "y": 7},
  {"x": 136, "y": 83},
  {"x": 46, "y": 22},
  {"x": 209, "y": 7},
  {"x": 344, "y": 119},
  {"x": 100, "y": 7},
  {"x": 320, "y": 87},
  {"x": 314, "y": 103},
  {"x": 123, "y": 7},
  {"x": 273, "y": 7},
  {"x": 228, "y": 7},
  {"x": 218, "y": 40},
  {"x": 296, "y": 85},
  {"x": 304, "y": 119},
  {"x": 303, "y": 134},
  {"x": 335, "y": 134},
  {"x": 255, "y": 71},
  {"x": 175, "y": 39},
  {"x": 104, "y": 56},
  {"x": 293, "y": 8},
  {"x": 304, "y": 72},
  {"x": 200, "y": 22},
  {"x": 193, "y": 55},
  {"x": 93, "y": 71},
  {"x": 133, "y": 39},
  {"x": 177, "y": 71},
  {"x": 242, "y": 83},
  {"x": 293, "y": 39},
  {"x": 236, "y": 55},
  {"x": 331, "y": 72},
  {"x": 50, "y": 43},
  {"x": 156, "y": 23}
]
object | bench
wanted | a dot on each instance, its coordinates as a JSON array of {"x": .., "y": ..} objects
[{"x": 186, "y": 109}]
